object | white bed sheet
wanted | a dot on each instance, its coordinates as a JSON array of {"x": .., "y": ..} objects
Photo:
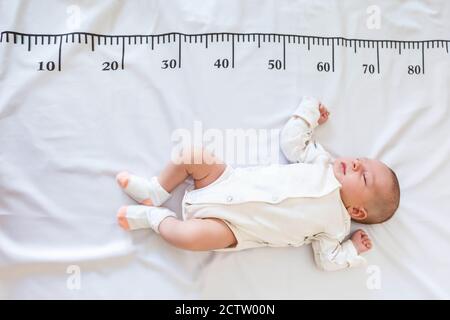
[{"x": 64, "y": 136}]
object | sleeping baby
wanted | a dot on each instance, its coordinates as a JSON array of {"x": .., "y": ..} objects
[{"x": 311, "y": 200}]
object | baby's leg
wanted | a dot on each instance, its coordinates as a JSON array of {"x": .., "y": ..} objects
[
  {"x": 197, "y": 234},
  {"x": 198, "y": 163},
  {"x": 202, "y": 166},
  {"x": 192, "y": 234}
]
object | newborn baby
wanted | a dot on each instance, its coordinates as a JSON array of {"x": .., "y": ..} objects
[{"x": 312, "y": 200}]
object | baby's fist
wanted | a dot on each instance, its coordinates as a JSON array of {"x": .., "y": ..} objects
[
  {"x": 324, "y": 113},
  {"x": 361, "y": 241}
]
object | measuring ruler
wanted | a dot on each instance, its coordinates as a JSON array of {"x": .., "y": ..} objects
[{"x": 181, "y": 41}]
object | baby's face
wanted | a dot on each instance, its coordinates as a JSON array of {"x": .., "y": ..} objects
[{"x": 361, "y": 178}]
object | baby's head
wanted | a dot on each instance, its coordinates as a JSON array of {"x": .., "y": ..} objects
[{"x": 370, "y": 189}]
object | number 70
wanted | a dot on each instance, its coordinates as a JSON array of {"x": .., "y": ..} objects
[{"x": 369, "y": 68}]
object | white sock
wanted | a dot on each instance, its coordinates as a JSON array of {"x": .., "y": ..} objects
[
  {"x": 144, "y": 217},
  {"x": 141, "y": 189}
]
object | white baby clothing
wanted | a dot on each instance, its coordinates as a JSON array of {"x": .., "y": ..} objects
[{"x": 283, "y": 205}]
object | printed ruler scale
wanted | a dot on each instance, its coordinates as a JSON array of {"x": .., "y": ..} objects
[{"x": 182, "y": 41}]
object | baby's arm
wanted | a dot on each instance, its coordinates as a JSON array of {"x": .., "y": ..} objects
[
  {"x": 331, "y": 255},
  {"x": 361, "y": 241},
  {"x": 296, "y": 135}
]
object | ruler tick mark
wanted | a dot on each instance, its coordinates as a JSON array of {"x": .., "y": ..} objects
[
  {"x": 232, "y": 51},
  {"x": 59, "y": 54},
  {"x": 378, "y": 59},
  {"x": 332, "y": 56},
  {"x": 122, "y": 64},
  {"x": 179, "y": 51},
  {"x": 423, "y": 59}
]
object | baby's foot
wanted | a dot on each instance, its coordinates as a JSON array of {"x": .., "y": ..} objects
[
  {"x": 132, "y": 218},
  {"x": 122, "y": 218},
  {"x": 142, "y": 217},
  {"x": 122, "y": 179},
  {"x": 148, "y": 192}
]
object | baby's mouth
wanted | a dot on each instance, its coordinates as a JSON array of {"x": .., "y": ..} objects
[{"x": 343, "y": 167}]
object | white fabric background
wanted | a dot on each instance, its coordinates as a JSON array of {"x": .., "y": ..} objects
[{"x": 64, "y": 136}]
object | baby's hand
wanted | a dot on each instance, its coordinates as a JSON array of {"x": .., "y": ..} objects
[
  {"x": 361, "y": 241},
  {"x": 324, "y": 113}
]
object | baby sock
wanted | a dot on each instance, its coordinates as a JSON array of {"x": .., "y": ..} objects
[
  {"x": 142, "y": 217},
  {"x": 141, "y": 189}
]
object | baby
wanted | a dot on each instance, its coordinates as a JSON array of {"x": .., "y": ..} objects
[{"x": 312, "y": 200}]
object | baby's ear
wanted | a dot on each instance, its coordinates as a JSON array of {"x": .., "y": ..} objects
[{"x": 357, "y": 213}]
